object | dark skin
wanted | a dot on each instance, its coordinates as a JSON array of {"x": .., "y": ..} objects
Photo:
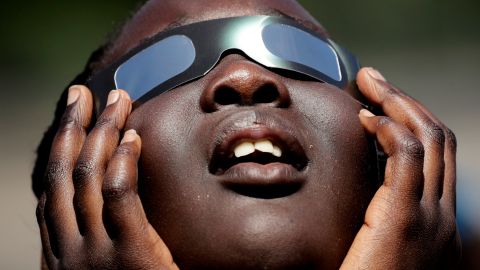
[{"x": 106, "y": 206}]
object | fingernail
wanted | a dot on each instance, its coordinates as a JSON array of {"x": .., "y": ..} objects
[
  {"x": 113, "y": 96},
  {"x": 73, "y": 94},
  {"x": 366, "y": 113},
  {"x": 129, "y": 136},
  {"x": 375, "y": 74}
]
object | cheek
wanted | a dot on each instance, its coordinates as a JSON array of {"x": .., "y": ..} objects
[
  {"x": 343, "y": 158},
  {"x": 164, "y": 124},
  {"x": 339, "y": 137}
]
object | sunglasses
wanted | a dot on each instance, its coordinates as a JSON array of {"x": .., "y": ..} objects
[{"x": 186, "y": 53}]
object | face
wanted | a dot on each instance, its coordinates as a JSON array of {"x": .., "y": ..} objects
[{"x": 214, "y": 202}]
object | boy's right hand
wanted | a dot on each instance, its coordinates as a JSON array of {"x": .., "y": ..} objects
[{"x": 90, "y": 214}]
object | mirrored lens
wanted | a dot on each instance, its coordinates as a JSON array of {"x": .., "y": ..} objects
[
  {"x": 295, "y": 45},
  {"x": 155, "y": 65}
]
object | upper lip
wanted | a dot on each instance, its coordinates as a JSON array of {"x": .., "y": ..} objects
[{"x": 253, "y": 126}]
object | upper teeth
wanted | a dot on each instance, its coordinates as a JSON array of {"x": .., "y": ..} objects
[{"x": 266, "y": 146}]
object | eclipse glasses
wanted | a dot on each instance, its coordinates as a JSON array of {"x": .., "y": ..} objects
[{"x": 185, "y": 53}]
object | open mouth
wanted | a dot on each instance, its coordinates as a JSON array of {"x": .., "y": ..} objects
[
  {"x": 261, "y": 151},
  {"x": 259, "y": 162}
]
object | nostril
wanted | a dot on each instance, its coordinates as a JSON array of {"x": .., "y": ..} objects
[
  {"x": 226, "y": 96},
  {"x": 267, "y": 93}
]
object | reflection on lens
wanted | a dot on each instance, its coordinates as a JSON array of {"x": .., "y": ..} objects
[
  {"x": 155, "y": 65},
  {"x": 300, "y": 47}
]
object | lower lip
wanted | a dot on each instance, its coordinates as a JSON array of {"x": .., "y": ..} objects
[{"x": 250, "y": 173}]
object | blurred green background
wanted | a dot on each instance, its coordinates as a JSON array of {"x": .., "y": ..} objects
[{"x": 431, "y": 49}]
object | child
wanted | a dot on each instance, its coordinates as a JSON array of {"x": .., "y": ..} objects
[{"x": 243, "y": 166}]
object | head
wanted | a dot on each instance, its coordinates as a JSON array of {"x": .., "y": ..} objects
[{"x": 214, "y": 210}]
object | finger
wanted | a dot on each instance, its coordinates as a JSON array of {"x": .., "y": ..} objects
[
  {"x": 46, "y": 248},
  {"x": 124, "y": 215},
  {"x": 404, "y": 169},
  {"x": 403, "y": 109},
  {"x": 59, "y": 212},
  {"x": 449, "y": 184},
  {"x": 123, "y": 212},
  {"x": 92, "y": 163}
]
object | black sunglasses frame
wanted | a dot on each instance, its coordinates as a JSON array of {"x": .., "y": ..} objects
[{"x": 212, "y": 40}]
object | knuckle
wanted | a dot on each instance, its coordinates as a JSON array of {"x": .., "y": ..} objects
[
  {"x": 57, "y": 172},
  {"x": 412, "y": 148},
  {"x": 384, "y": 122},
  {"x": 115, "y": 188},
  {"x": 39, "y": 212},
  {"x": 451, "y": 138},
  {"x": 435, "y": 132},
  {"x": 83, "y": 171},
  {"x": 125, "y": 150},
  {"x": 391, "y": 92},
  {"x": 69, "y": 123},
  {"x": 393, "y": 95},
  {"x": 106, "y": 122}
]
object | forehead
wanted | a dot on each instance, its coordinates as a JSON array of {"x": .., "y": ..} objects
[{"x": 157, "y": 15}]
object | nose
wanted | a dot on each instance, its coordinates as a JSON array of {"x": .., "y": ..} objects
[{"x": 243, "y": 83}]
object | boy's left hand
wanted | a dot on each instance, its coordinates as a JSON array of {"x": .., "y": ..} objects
[{"x": 410, "y": 222}]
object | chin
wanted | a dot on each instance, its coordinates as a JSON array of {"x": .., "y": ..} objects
[
  {"x": 267, "y": 250},
  {"x": 259, "y": 234}
]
